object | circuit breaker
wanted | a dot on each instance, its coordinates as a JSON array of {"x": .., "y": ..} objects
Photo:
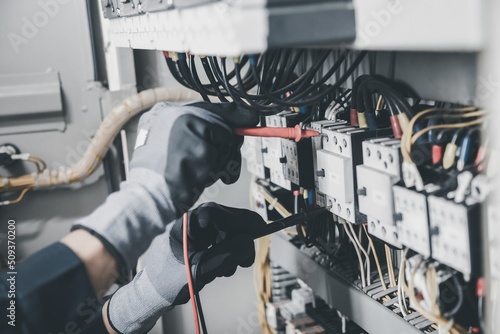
[
  {"x": 455, "y": 234},
  {"x": 412, "y": 220},
  {"x": 376, "y": 176},
  {"x": 336, "y": 165}
]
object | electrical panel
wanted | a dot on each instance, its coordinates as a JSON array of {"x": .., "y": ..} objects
[
  {"x": 387, "y": 193},
  {"x": 403, "y": 159}
]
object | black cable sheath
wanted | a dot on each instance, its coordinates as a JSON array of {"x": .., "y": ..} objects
[
  {"x": 212, "y": 80},
  {"x": 196, "y": 80},
  {"x": 460, "y": 295},
  {"x": 194, "y": 276},
  {"x": 175, "y": 73}
]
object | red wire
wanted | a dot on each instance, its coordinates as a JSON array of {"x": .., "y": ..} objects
[{"x": 188, "y": 269}]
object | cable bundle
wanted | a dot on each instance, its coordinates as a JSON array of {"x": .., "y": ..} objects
[
  {"x": 392, "y": 94},
  {"x": 273, "y": 74}
]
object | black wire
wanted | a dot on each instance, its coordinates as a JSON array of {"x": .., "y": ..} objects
[
  {"x": 304, "y": 80},
  {"x": 175, "y": 73},
  {"x": 280, "y": 65},
  {"x": 200, "y": 313},
  {"x": 196, "y": 292},
  {"x": 212, "y": 80},
  {"x": 283, "y": 65},
  {"x": 320, "y": 82},
  {"x": 290, "y": 87},
  {"x": 229, "y": 88},
  {"x": 336, "y": 85},
  {"x": 185, "y": 72},
  {"x": 196, "y": 79},
  {"x": 289, "y": 70},
  {"x": 460, "y": 295}
]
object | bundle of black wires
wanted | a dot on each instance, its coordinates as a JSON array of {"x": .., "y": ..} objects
[{"x": 274, "y": 76}]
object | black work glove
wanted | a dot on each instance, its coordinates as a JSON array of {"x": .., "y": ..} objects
[
  {"x": 192, "y": 146},
  {"x": 218, "y": 236}
]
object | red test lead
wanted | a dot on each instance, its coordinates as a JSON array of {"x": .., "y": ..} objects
[{"x": 296, "y": 133}]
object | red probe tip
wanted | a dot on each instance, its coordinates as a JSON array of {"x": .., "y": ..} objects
[{"x": 294, "y": 133}]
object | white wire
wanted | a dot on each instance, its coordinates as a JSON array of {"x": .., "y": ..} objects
[
  {"x": 401, "y": 296},
  {"x": 361, "y": 266},
  {"x": 368, "y": 272}
]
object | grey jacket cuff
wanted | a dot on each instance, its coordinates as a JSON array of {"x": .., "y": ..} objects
[{"x": 131, "y": 218}]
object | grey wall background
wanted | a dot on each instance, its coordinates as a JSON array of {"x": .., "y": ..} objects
[{"x": 59, "y": 41}]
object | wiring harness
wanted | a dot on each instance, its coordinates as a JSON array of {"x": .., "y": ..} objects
[
  {"x": 267, "y": 83},
  {"x": 100, "y": 144}
]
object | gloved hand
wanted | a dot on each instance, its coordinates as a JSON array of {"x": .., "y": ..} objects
[
  {"x": 180, "y": 150},
  {"x": 162, "y": 284}
]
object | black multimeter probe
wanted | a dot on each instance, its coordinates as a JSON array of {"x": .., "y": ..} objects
[{"x": 292, "y": 220}]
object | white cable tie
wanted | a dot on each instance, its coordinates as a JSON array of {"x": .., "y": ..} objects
[
  {"x": 464, "y": 181},
  {"x": 21, "y": 156},
  {"x": 7, "y": 149},
  {"x": 63, "y": 176},
  {"x": 272, "y": 204}
]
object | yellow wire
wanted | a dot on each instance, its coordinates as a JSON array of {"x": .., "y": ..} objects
[
  {"x": 44, "y": 165},
  {"x": 420, "y": 133},
  {"x": 262, "y": 272},
  {"x": 390, "y": 267},
  {"x": 408, "y": 131},
  {"x": 17, "y": 200},
  {"x": 36, "y": 163},
  {"x": 379, "y": 269},
  {"x": 380, "y": 102}
]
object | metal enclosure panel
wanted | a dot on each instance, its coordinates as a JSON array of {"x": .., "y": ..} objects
[
  {"x": 30, "y": 102},
  {"x": 493, "y": 213},
  {"x": 431, "y": 73},
  {"x": 431, "y": 25},
  {"x": 59, "y": 37}
]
